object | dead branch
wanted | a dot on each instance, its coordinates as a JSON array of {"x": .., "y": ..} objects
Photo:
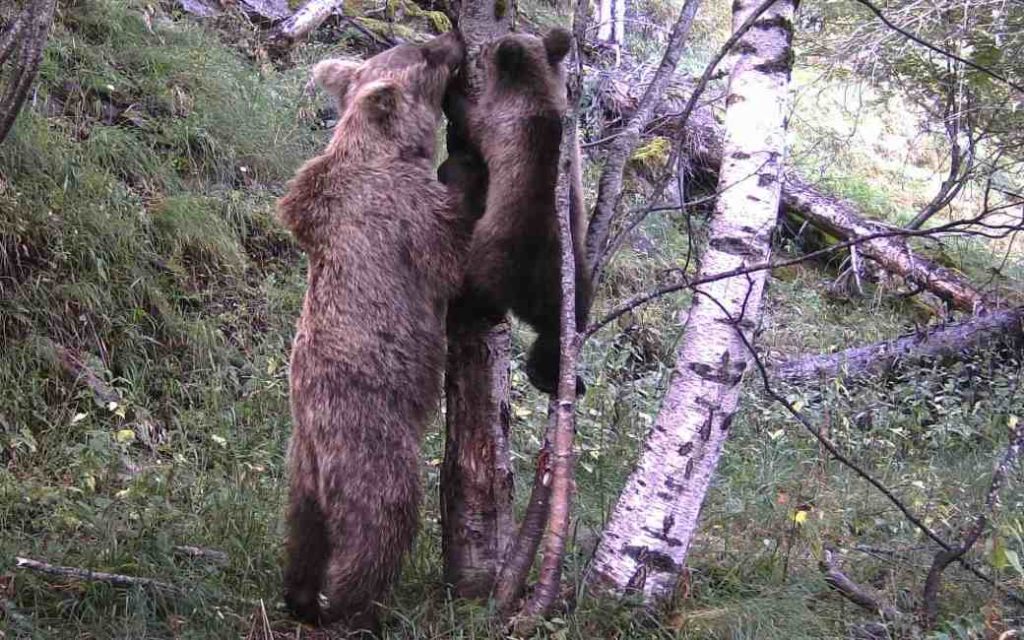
[
  {"x": 860, "y": 595},
  {"x": 956, "y": 227},
  {"x": 87, "y": 575},
  {"x": 701, "y": 137},
  {"x": 947, "y": 341},
  {"x": 307, "y": 18},
  {"x": 512, "y": 578},
  {"x": 215, "y": 556},
  {"x": 930, "y": 596}
]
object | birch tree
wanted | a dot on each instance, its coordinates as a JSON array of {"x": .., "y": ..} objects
[{"x": 644, "y": 545}]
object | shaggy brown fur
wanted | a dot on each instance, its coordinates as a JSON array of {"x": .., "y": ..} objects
[
  {"x": 514, "y": 257},
  {"x": 386, "y": 246}
]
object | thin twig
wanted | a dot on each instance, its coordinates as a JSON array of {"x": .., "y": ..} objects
[
  {"x": 943, "y": 52},
  {"x": 955, "y": 227}
]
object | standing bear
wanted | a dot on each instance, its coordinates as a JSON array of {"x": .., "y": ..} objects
[
  {"x": 386, "y": 244},
  {"x": 514, "y": 258}
]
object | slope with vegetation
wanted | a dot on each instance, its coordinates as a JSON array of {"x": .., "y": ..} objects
[{"x": 147, "y": 299}]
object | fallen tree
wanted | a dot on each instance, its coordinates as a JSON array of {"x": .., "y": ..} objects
[
  {"x": 948, "y": 341},
  {"x": 702, "y": 143}
]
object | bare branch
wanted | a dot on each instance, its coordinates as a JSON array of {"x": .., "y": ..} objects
[
  {"x": 954, "y": 227},
  {"x": 88, "y": 575},
  {"x": 1002, "y": 327},
  {"x": 609, "y": 189},
  {"x": 929, "y": 598},
  {"x": 858, "y": 594},
  {"x": 942, "y": 52},
  {"x": 562, "y": 459}
]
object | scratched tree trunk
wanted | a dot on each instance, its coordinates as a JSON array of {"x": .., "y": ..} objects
[
  {"x": 477, "y": 519},
  {"x": 644, "y": 545}
]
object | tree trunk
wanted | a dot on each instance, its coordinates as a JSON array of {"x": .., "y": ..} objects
[
  {"x": 611, "y": 25},
  {"x": 477, "y": 517},
  {"x": 24, "y": 38},
  {"x": 950, "y": 341},
  {"x": 703, "y": 140},
  {"x": 645, "y": 543},
  {"x": 476, "y": 476}
]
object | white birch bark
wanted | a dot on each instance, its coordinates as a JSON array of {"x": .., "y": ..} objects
[
  {"x": 611, "y": 25},
  {"x": 645, "y": 542},
  {"x": 307, "y": 18}
]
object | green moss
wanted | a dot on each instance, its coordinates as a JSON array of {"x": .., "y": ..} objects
[
  {"x": 387, "y": 29},
  {"x": 653, "y": 155}
]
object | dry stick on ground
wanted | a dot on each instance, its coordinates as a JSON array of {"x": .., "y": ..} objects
[
  {"x": 87, "y": 575},
  {"x": 834, "y": 451},
  {"x": 948, "y": 341},
  {"x": 216, "y": 556},
  {"x": 609, "y": 189},
  {"x": 855, "y": 593},
  {"x": 32, "y": 33},
  {"x": 930, "y": 595}
]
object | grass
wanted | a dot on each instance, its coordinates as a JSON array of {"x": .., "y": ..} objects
[{"x": 136, "y": 199}]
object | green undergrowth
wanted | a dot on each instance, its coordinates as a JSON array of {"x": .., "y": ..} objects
[{"x": 137, "y": 238}]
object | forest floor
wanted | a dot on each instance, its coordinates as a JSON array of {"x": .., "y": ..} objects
[{"x": 137, "y": 243}]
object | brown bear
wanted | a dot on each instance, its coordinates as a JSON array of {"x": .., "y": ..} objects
[
  {"x": 386, "y": 245},
  {"x": 514, "y": 258}
]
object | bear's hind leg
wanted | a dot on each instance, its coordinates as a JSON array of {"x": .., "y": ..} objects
[
  {"x": 543, "y": 363},
  {"x": 308, "y": 546}
]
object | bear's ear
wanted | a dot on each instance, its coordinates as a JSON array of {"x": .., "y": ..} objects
[
  {"x": 380, "y": 100},
  {"x": 557, "y": 44},
  {"x": 509, "y": 57},
  {"x": 446, "y": 49},
  {"x": 334, "y": 75}
]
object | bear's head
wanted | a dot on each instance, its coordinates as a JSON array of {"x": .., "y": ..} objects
[
  {"x": 522, "y": 62},
  {"x": 394, "y": 95}
]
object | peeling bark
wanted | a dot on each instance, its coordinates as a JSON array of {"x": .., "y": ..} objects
[
  {"x": 476, "y": 475},
  {"x": 308, "y": 17},
  {"x": 949, "y": 341},
  {"x": 644, "y": 545}
]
